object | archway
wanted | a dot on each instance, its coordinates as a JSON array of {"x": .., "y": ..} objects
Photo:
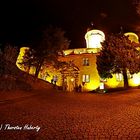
[{"x": 70, "y": 77}]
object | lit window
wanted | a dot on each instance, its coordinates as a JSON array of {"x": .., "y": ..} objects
[
  {"x": 85, "y": 78},
  {"x": 85, "y": 62},
  {"x": 119, "y": 77}
]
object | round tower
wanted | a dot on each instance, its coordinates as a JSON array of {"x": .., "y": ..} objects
[
  {"x": 132, "y": 36},
  {"x": 94, "y": 38}
]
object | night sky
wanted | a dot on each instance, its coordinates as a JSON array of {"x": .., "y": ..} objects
[{"x": 22, "y": 21}]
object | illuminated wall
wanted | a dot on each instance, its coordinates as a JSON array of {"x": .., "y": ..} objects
[
  {"x": 135, "y": 80},
  {"x": 81, "y": 51},
  {"x": 90, "y": 69},
  {"x": 93, "y": 40},
  {"x": 113, "y": 82},
  {"x": 20, "y": 58}
]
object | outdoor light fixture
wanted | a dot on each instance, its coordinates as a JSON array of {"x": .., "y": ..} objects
[
  {"x": 101, "y": 85},
  {"x": 72, "y": 79}
]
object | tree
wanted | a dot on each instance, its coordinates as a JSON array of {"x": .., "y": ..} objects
[
  {"x": 10, "y": 76},
  {"x": 118, "y": 55},
  {"x": 10, "y": 53},
  {"x": 53, "y": 42},
  {"x": 8, "y": 60}
]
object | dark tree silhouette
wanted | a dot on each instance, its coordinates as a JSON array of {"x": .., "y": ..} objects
[
  {"x": 52, "y": 44},
  {"x": 10, "y": 76},
  {"x": 8, "y": 59},
  {"x": 118, "y": 55}
]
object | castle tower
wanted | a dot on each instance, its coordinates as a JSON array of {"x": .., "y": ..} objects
[
  {"x": 94, "y": 38},
  {"x": 132, "y": 36}
]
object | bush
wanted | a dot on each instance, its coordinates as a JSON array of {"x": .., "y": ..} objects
[{"x": 10, "y": 84}]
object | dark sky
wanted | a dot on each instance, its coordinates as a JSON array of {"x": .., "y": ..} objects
[{"x": 22, "y": 21}]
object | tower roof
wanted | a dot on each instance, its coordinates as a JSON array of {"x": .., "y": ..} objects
[{"x": 94, "y": 38}]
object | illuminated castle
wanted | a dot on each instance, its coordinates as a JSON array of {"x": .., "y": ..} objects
[{"x": 84, "y": 71}]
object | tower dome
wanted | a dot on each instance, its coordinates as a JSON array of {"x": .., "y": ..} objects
[
  {"x": 94, "y": 38},
  {"x": 132, "y": 36}
]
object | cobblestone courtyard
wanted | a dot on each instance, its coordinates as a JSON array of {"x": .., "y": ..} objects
[{"x": 71, "y": 116}]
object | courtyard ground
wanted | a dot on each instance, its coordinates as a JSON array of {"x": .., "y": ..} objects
[{"x": 53, "y": 115}]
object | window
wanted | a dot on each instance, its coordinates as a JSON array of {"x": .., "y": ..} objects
[
  {"x": 85, "y": 78},
  {"x": 85, "y": 62},
  {"x": 119, "y": 77}
]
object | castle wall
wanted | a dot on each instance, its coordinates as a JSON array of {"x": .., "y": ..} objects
[{"x": 91, "y": 70}]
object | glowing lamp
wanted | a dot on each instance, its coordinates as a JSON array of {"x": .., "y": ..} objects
[
  {"x": 72, "y": 79},
  {"x": 94, "y": 38},
  {"x": 101, "y": 85}
]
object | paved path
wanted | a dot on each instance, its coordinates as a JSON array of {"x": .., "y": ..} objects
[{"x": 69, "y": 116}]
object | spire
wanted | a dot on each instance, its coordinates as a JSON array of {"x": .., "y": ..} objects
[
  {"x": 91, "y": 27},
  {"x": 121, "y": 30}
]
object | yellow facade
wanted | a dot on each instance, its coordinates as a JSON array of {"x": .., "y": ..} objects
[
  {"x": 86, "y": 73},
  {"x": 135, "y": 80},
  {"x": 89, "y": 69},
  {"x": 20, "y": 58},
  {"x": 47, "y": 73}
]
